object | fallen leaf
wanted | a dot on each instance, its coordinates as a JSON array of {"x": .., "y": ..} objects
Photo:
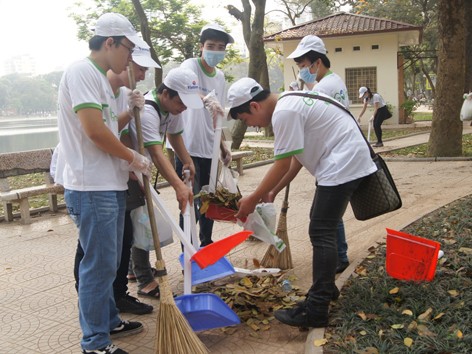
[
  {"x": 424, "y": 331},
  {"x": 371, "y": 256},
  {"x": 459, "y": 334},
  {"x": 407, "y": 312},
  {"x": 256, "y": 263},
  {"x": 412, "y": 326},
  {"x": 363, "y": 333},
  {"x": 438, "y": 316},
  {"x": 362, "y": 315},
  {"x": 394, "y": 291},
  {"x": 361, "y": 270},
  {"x": 465, "y": 250},
  {"x": 453, "y": 293},
  {"x": 320, "y": 342},
  {"x": 449, "y": 241},
  {"x": 381, "y": 332},
  {"x": 425, "y": 316},
  {"x": 398, "y": 326},
  {"x": 408, "y": 342},
  {"x": 368, "y": 350}
]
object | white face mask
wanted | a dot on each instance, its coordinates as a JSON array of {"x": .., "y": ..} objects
[
  {"x": 307, "y": 76},
  {"x": 213, "y": 57}
]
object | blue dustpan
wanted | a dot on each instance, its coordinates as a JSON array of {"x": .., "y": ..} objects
[
  {"x": 220, "y": 269},
  {"x": 206, "y": 311}
]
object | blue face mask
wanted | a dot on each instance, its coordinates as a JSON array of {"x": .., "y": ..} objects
[
  {"x": 307, "y": 76},
  {"x": 213, "y": 57}
]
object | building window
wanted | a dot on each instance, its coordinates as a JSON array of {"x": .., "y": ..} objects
[
  {"x": 357, "y": 77},
  {"x": 375, "y": 46},
  {"x": 356, "y": 48},
  {"x": 337, "y": 50}
]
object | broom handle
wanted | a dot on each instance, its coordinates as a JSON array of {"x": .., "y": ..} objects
[
  {"x": 147, "y": 191},
  {"x": 285, "y": 202}
]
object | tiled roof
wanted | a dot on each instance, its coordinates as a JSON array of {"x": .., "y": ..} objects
[{"x": 341, "y": 23}]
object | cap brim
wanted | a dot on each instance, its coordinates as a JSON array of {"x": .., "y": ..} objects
[
  {"x": 192, "y": 101},
  {"x": 298, "y": 53},
  {"x": 145, "y": 61},
  {"x": 230, "y": 38},
  {"x": 138, "y": 41},
  {"x": 360, "y": 96}
]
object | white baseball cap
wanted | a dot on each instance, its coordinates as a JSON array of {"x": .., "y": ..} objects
[
  {"x": 217, "y": 27},
  {"x": 142, "y": 57},
  {"x": 185, "y": 82},
  {"x": 362, "y": 91},
  {"x": 310, "y": 42},
  {"x": 112, "y": 24},
  {"x": 242, "y": 91}
]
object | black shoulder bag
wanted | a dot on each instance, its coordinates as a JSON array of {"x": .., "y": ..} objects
[{"x": 377, "y": 193}]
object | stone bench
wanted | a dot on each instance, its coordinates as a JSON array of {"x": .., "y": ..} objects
[
  {"x": 237, "y": 156},
  {"x": 24, "y": 163}
]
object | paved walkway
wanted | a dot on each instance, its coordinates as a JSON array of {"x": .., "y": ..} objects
[{"x": 38, "y": 303}]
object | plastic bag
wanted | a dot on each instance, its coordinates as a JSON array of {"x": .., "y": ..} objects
[
  {"x": 142, "y": 234},
  {"x": 228, "y": 179},
  {"x": 466, "y": 110},
  {"x": 255, "y": 223},
  {"x": 268, "y": 214}
]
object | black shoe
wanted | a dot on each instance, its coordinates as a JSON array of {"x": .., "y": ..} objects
[
  {"x": 304, "y": 315},
  {"x": 341, "y": 267},
  {"x": 376, "y": 145},
  {"x": 109, "y": 349},
  {"x": 126, "y": 328},
  {"x": 132, "y": 305}
]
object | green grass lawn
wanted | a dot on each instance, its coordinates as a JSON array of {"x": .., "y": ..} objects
[{"x": 422, "y": 116}]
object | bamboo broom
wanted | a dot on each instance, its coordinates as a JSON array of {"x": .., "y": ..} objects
[
  {"x": 173, "y": 332},
  {"x": 272, "y": 257}
]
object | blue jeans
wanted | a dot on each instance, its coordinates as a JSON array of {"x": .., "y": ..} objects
[
  {"x": 99, "y": 216},
  {"x": 341, "y": 243},
  {"x": 327, "y": 210},
  {"x": 202, "y": 178}
]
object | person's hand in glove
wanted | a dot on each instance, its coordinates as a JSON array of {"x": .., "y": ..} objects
[
  {"x": 140, "y": 163},
  {"x": 226, "y": 157},
  {"x": 212, "y": 105},
  {"x": 135, "y": 99}
]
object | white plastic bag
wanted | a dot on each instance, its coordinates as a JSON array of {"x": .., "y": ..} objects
[
  {"x": 268, "y": 214},
  {"x": 228, "y": 179},
  {"x": 256, "y": 224},
  {"x": 466, "y": 110},
  {"x": 142, "y": 234}
]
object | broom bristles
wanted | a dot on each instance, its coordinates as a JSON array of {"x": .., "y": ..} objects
[
  {"x": 274, "y": 258},
  {"x": 173, "y": 332}
]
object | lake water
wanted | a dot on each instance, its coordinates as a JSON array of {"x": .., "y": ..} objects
[{"x": 31, "y": 133}]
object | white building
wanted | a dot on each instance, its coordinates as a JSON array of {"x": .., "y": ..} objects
[{"x": 363, "y": 50}]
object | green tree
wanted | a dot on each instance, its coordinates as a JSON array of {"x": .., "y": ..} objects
[{"x": 446, "y": 132}]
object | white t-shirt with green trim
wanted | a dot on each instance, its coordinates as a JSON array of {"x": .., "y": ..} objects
[
  {"x": 85, "y": 166},
  {"x": 376, "y": 98},
  {"x": 154, "y": 127},
  {"x": 332, "y": 85},
  {"x": 199, "y": 133},
  {"x": 323, "y": 138}
]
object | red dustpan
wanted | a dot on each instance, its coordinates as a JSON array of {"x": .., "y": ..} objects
[{"x": 210, "y": 254}]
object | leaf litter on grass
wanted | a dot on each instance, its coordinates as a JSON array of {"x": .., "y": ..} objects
[{"x": 378, "y": 312}]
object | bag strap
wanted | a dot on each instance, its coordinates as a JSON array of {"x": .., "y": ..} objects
[
  {"x": 156, "y": 107},
  {"x": 337, "y": 104}
]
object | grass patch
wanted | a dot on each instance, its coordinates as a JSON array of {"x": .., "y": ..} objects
[
  {"x": 379, "y": 314},
  {"x": 422, "y": 116},
  {"x": 420, "y": 150}
]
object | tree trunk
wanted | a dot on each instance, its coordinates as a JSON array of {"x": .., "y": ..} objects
[
  {"x": 145, "y": 31},
  {"x": 446, "y": 132},
  {"x": 468, "y": 46},
  {"x": 253, "y": 36}
]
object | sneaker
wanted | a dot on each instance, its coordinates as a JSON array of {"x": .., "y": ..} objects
[
  {"x": 109, "y": 349},
  {"x": 376, "y": 145},
  {"x": 303, "y": 315},
  {"x": 341, "y": 267},
  {"x": 130, "y": 304},
  {"x": 126, "y": 328}
]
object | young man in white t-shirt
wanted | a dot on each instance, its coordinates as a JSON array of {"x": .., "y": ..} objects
[
  {"x": 120, "y": 85},
  {"x": 162, "y": 116},
  {"x": 94, "y": 176},
  {"x": 314, "y": 65},
  {"x": 199, "y": 129},
  {"x": 327, "y": 142}
]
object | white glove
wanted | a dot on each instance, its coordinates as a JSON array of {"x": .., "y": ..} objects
[
  {"x": 140, "y": 163},
  {"x": 212, "y": 105},
  {"x": 135, "y": 99},
  {"x": 226, "y": 157}
]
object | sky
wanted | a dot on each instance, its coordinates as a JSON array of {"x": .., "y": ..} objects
[{"x": 44, "y": 30}]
